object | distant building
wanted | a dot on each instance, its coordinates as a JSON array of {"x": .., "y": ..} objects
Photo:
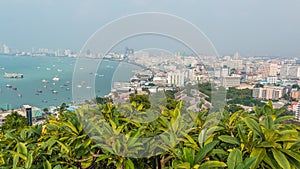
[
  {"x": 295, "y": 94},
  {"x": 231, "y": 81},
  {"x": 272, "y": 79},
  {"x": 176, "y": 78},
  {"x": 268, "y": 92},
  {"x": 5, "y": 49},
  {"x": 290, "y": 72},
  {"x": 297, "y": 113}
]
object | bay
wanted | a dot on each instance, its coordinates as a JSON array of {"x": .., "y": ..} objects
[{"x": 38, "y": 69}]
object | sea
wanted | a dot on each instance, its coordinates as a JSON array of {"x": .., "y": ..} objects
[{"x": 38, "y": 88}]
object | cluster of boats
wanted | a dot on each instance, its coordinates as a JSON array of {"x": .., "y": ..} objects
[{"x": 13, "y": 88}]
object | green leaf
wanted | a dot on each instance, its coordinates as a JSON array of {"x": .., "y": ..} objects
[
  {"x": 184, "y": 165},
  {"x": 229, "y": 139},
  {"x": 281, "y": 159},
  {"x": 213, "y": 164},
  {"x": 102, "y": 158},
  {"x": 259, "y": 154},
  {"x": 21, "y": 148},
  {"x": 129, "y": 164},
  {"x": 234, "y": 158},
  {"x": 248, "y": 162},
  {"x": 254, "y": 126},
  {"x": 29, "y": 160},
  {"x": 188, "y": 155},
  {"x": 47, "y": 165},
  {"x": 205, "y": 150},
  {"x": 292, "y": 154}
]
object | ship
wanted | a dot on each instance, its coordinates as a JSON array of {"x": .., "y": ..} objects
[{"x": 13, "y": 75}]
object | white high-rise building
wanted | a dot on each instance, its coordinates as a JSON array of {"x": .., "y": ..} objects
[
  {"x": 176, "y": 78},
  {"x": 297, "y": 113},
  {"x": 5, "y": 49}
]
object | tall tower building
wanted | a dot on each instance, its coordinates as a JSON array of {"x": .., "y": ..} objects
[
  {"x": 5, "y": 49},
  {"x": 297, "y": 114},
  {"x": 236, "y": 56}
]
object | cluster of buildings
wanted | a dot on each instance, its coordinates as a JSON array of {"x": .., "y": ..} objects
[
  {"x": 272, "y": 78},
  {"x": 39, "y": 52}
]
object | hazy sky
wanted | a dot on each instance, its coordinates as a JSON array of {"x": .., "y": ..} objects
[{"x": 252, "y": 27}]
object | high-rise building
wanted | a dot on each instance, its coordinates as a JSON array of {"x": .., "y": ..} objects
[
  {"x": 176, "y": 78},
  {"x": 268, "y": 92},
  {"x": 297, "y": 114},
  {"x": 290, "y": 71},
  {"x": 236, "y": 56},
  {"x": 5, "y": 49},
  {"x": 231, "y": 81}
]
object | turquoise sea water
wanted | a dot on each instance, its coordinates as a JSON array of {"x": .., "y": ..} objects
[{"x": 36, "y": 69}]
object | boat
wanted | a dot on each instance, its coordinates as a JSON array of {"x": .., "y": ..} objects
[
  {"x": 39, "y": 91},
  {"x": 44, "y": 81},
  {"x": 55, "y": 79},
  {"x": 54, "y": 92},
  {"x": 9, "y": 86},
  {"x": 88, "y": 87},
  {"x": 67, "y": 89},
  {"x": 14, "y": 88},
  {"x": 67, "y": 82},
  {"x": 13, "y": 75},
  {"x": 44, "y": 86},
  {"x": 79, "y": 86},
  {"x": 48, "y": 68},
  {"x": 61, "y": 86},
  {"x": 20, "y": 95},
  {"x": 59, "y": 70}
]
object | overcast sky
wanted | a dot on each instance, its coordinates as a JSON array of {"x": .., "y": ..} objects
[{"x": 252, "y": 27}]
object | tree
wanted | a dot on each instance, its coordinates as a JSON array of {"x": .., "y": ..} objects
[
  {"x": 140, "y": 99},
  {"x": 14, "y": 121}
]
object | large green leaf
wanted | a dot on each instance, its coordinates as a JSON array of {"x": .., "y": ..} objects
[
  {"x": 259, "y": 154},
  {"x": 229, "y": 139},
  {"x": 292, "y": 154},
  {"x": 205, "y": 150},
  {"x": 213, "y": 164},
  {"x": 47, "y": 165},
  {"x": 234, "y": 158},
  {"x": 254, "y": 126},
  {"x": 281, "y": 159},
  {"x": 21, "y": 148},
  {"x": 129, "y": 164}
]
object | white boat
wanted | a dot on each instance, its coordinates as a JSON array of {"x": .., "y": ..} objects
[
  {"x": 79, "y": 86},
  {"x": 48, "y": 68},
  {"x": 88, "y": 87},
  {"x": 59, "y": 70},
  {"x": 44, "y": 81},
  {"x": 55, "y": 79}
]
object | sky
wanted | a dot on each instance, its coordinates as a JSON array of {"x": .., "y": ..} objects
[{"x": 252, "y": 27}]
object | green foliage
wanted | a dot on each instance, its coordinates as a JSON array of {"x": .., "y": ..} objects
[
  {"x": 238, "y": 141},
  {"x": 14, "y": 121},
  {"x": 141, "y": 100},
  {"x": 243, "y": 97}
]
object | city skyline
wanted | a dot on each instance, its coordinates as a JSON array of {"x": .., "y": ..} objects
[{"x": 252, "y": 28}]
